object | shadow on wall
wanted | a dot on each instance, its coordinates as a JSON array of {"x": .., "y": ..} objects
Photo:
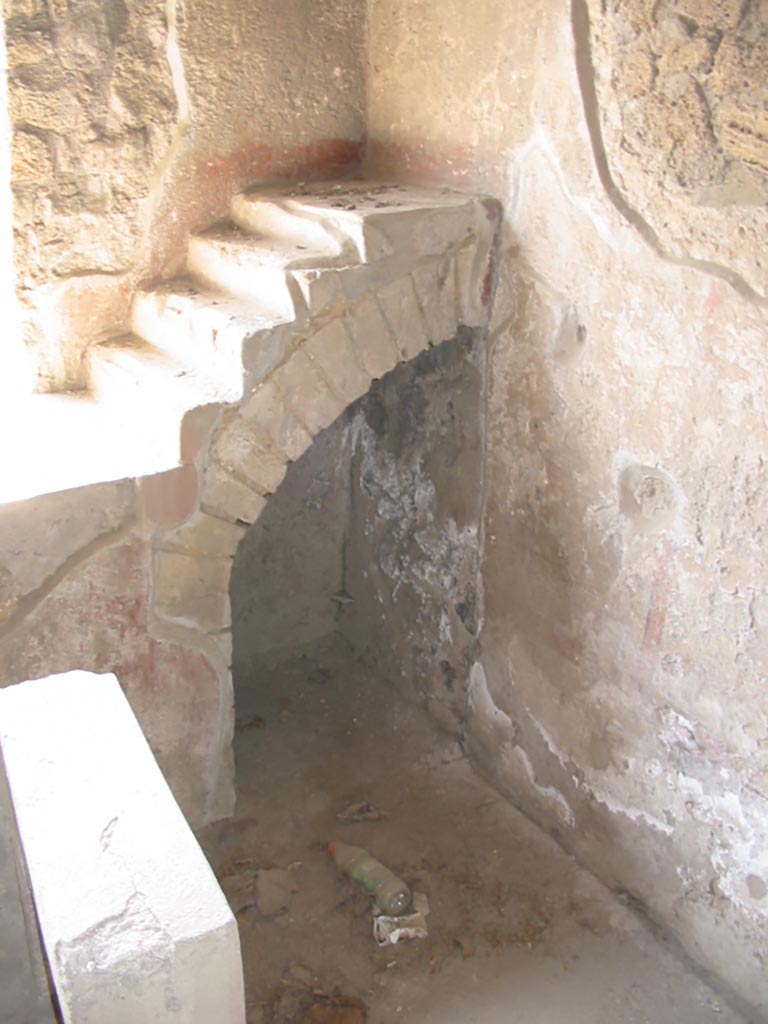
[{"x": 374, "y": 534}]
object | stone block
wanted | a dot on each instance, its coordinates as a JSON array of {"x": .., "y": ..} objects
[
  {"x": 426, "y": 228},
  {"x": 374, "y": 344},
  {"x": 713, "y": 15},
  {"x": 435, "y": 285},
  {"x": 332, "y": 350},
  {"x": 243, "y": 449},
  {"x": 44, "y": 110},
  {"x": 263, "y": 351},
  {"x": 168, "y": 498},
  {"x": 268, "y": 409},
  {"x": 28, "y": 48},
  {"x": 202, "y": 535},
  {"x": 743, "y": 134},
  {"x": 402, "y": 312},
  {"x": 225, "y": 496},
  {"x": 307, "y": 393},
  {"x": 24, "y": 8},
  {"x": 192, "y": 589},
  {"x": 133, "y": 921},
  {"x": 30, "y": 158}
]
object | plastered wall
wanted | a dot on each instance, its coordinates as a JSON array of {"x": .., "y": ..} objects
[
  {"x": 133, "y": 122},
  {"x": 619, "y": 696}
]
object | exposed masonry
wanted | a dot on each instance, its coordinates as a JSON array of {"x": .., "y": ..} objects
[
  {"x": 660, "y": 241},
  {"x": 278, "y": 332}
]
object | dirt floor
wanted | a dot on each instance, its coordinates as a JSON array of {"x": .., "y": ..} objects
[{"x": 517, "y": 931}]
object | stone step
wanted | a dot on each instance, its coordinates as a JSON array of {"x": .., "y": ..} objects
[
  {"x": 128, "y": 370},
  {"x": 192, "y": 322},
  {"x": 401, "y": 264},
  {"x": 149, "y": 391},
  {"x": 271, "y": 214},
  {"x": 370, "y": 219},
  {"x": 253, "y": 267}
]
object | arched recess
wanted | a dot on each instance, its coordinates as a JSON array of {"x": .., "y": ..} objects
[{"x": 434, "y": 276}]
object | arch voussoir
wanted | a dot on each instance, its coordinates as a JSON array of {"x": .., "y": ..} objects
[
  {"x": 202, "y": 534},
  {"x": 308, "y": 395},
  {"x": 268, "y": 409},
  {"x": 371, "y": 337},
  {"x": 402, "y": 313},
  {"x": 244, "y": 450},
  {"x": 223, "y": 495},
  {"x": 332, "y": 351}
]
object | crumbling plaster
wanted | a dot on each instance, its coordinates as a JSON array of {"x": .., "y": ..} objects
[
  {"x": 412, "y": 567},
  {"x": 620, "y": 692}
]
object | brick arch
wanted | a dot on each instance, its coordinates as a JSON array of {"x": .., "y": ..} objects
[{"x": 360, "y": 321}]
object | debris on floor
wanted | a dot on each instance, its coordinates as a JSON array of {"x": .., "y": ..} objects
[
  {"x": 254, "y": 722},
  {"x": 275, "y": 887},
  {"x": 337, "y": 1009},
  {"x": 392, "y": 896},
  {"x": 270, "y": 890},
  {"x": 361, "y": 811},
  {"x": 388, "y": 931},
  {"x": 237, "y": 883},
  {"x": 518, "y": 932}
]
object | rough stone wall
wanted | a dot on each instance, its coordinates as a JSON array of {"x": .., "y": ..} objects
[
  {"x": 682, "y": 101},
  {"x": 619, "y": 696},
  {"x": 133, "y": 120},
  {"x": 413, "y": 568}
]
